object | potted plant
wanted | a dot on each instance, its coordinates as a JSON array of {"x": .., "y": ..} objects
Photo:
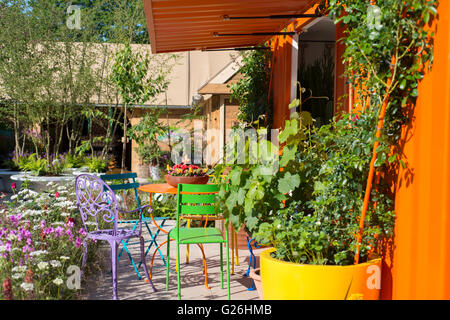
[
  {"x": 186, "y": 173},
  {"x": 39, "y": 171},
  {"x": 314, "y": 234},
  {"x": 146, "y": 134},
  {"x": 309, "y": 210}
]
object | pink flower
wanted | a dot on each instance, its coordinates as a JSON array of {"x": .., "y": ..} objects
[
  {"x": 57, "y": 194},
  {"x": 78, "y": 242},
  {"x": 13, "y": 185}
]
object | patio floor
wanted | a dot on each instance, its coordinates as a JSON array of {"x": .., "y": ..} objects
[{"x": 99, "y": 286}]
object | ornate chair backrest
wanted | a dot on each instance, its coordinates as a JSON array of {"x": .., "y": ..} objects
[{"x": 94, "y": 198}]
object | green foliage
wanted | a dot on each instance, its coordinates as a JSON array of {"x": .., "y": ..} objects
[
  {"x": 256, "y": 190},
  {"x": 146, "y": 133},
  {"x": 319, "y": 225},
  {"x": 252, "y": 91},
  {"x": 39, "y": 166},
  {"x": 400, "y": 30},
  {"x": 96, "y": 164},
  {"x": 135, "y": 83},
  {"x": 74, "y": 161}
]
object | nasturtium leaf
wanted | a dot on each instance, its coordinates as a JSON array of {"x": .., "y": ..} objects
[{"x": 288, "y": 183}]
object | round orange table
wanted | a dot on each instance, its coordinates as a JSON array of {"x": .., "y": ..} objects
[{"x": 168, "y": 189}]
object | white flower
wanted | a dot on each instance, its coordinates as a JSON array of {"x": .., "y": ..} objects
[
  {"x": 13, "y": 197},
  {"x": 12, "y": 237},
  {"x": 55, "y": 263},
  {"x": 16, "y": 276},
  {"x": 38, "y": 253},
  {"x": 58, "y": 223},
  {"x": 64, "y": 214},
  {"x": 42, "y": 265},
  {"x": 64, "y": 258},
  {"x": 64, "y": 204},
  {"x": 2, "y": 249},
  {"x": 58, "y": 281},
  {"x": 318, "y": 223},
  {"x": 27, "y": 286},
  {"x": 279, "y": 226},
  {"x": 19, "y": 269}
]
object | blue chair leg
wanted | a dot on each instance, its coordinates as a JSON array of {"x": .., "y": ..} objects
[
  {"x": 126, "y": 242},
  {"x": 131, "y": 259},
  {"x": 153, "y": 241},
  {"x": 252, "y": 258}
]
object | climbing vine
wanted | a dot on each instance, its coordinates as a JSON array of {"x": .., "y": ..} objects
[
  {"x": 252, "y": 90},
  {"x": 388, "y": 48}
]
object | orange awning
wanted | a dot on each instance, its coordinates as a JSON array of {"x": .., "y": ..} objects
[{"x": 185, "y": 25}]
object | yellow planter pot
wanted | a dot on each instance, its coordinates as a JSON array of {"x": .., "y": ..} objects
[{"x": 290, "y": 281}]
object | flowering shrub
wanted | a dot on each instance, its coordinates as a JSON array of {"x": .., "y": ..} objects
[
  {"x": 41, "y": 235},
  {"x": 186, "y": 170}
]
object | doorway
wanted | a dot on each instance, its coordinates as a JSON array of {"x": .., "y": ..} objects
[{"x": 315, "y": 69}]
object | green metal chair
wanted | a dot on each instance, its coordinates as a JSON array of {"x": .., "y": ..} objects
[{"x": 197, "y": 199}]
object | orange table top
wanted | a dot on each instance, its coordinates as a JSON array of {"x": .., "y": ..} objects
[{"x": 158, "y": 188}]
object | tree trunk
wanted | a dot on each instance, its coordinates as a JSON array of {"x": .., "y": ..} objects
[{"x": 124, "y": 145}]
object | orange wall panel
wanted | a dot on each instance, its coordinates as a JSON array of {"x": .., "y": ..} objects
[
  {"x": 420, "y": 265},
  {"x": 281, "y": 80}
]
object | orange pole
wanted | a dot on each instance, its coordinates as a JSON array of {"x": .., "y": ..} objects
[
  {"x": 350, "y": 93},
  {"x": 372, "y": 165}
]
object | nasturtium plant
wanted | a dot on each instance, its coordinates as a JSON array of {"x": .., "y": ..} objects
[{"x": 254, "y": 187}]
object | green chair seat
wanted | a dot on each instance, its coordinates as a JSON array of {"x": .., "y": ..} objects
[
  {"x": 197, "y": 235},
  {"x": 197, "y": 199}
]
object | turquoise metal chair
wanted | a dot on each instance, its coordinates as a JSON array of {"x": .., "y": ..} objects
[
  {"x": 129, "y": 183},
  {"x": 197, "y": 199}
]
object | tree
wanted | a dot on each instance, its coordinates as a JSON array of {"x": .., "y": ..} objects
[{"x": 138, "y": 80}]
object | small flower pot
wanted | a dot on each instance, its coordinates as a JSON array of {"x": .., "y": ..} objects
[
  {"x": 175, "y": 180},
  {"x": 256, "y": 277},
  {"x": 155, "y": 173},
  {"x": 144, "y": 171}
]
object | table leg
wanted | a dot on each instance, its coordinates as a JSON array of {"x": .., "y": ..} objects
[
  {"x": 236, "y": 247},
  {"x": 232, "y": 250},
  {"x": 187, "y": 246}
]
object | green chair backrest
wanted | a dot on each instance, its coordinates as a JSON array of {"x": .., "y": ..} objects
[{"x": 196, "y": 199}]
